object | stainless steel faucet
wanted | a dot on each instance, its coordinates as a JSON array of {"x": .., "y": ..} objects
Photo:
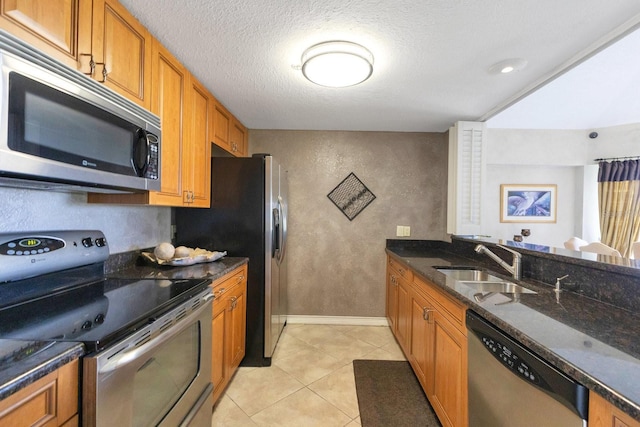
[{"x": 516, "y": 265}]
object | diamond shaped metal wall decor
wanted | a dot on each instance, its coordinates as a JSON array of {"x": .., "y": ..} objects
[{"x": 351, "y": 196}]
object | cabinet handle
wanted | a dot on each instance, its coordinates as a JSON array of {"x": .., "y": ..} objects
[
  {"x": 239, "y": 278},
  {"x": 92, "y": 64},
  {"x": 394, "y": 281},
  {"x": 234, "y": 302},
  {"x": 104, "y": 72},
  {"x": 425, "y": 313},
  {"x": 220, "y": 291}
]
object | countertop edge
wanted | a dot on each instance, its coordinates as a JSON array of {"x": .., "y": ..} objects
[
  {"x": 622, "y": 402},
  {"x": 21, "y": 375}
]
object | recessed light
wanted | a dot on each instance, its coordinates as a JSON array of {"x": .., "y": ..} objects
[{"x": 508, "y": 66}]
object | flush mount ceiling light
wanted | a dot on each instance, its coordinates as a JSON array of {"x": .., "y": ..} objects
[
  {"x": 508, "y": 66},
  {"x": 337, "y": 64}
]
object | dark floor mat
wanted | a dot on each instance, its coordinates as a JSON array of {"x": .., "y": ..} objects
[{"x": 389, "y": 394}]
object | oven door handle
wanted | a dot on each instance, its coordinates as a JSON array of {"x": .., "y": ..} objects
[{"x": 131, "y": 355}]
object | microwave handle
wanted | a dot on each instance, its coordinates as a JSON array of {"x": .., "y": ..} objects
[
  {"x": 142, "y": 142},
  {"x": 131, "y": 355}
]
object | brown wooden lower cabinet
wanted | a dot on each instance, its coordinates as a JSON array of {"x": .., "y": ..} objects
[
  {"x": 50, "y": 401},
  {"x": 604, "y": 414},
  {"x": 434, "y": 341},
  {"x": 228, "y": 327},
  {"x": 398, "y": 302}
]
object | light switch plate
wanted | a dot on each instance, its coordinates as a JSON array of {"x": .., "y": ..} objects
[
  {"x": 399, "y": 231},
  {"x": 406, "y": 231}
]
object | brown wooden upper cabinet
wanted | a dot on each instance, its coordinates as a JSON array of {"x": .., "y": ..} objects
[
  {"x": 229, "y": 134},
  {"x": 184, "y": 107},
  {"x": 60, "y": 28},
  {"x": 98, "y": 37},
  {"x": 121, "y": 49},
  {"x": 238, "y": 138}
]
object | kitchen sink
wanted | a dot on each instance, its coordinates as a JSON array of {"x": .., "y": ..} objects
[
  {"x": 469, "y": 275},
  {"x": 503, "y": 287},
  {"x": 482, "y": 281}
]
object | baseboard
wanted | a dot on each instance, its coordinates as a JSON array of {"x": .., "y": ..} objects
[{"x": 337, "y": 320}]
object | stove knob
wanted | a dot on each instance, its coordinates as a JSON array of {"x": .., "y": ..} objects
[
  {"x": 87, "y": 324},
  {"x": 100, "y": 242},
  {"x": 87, "y": 242},
  {"x": 99, "y": 319}
]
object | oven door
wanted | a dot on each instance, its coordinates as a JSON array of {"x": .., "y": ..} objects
[{"x": 149, "y": 380}]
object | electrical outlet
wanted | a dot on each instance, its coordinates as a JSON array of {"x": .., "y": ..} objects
[
  {"x": 399, "y": 231},
  {"x": 406, "y": 231}
]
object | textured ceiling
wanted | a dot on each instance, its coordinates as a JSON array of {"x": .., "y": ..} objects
[{"x": 431, "y": 56}]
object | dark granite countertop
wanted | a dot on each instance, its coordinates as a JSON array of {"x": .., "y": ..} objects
[
  {"x": 16, "y": 374},
  {"x": 208, "y": 270},
  {"x": 595, "y": 343}
]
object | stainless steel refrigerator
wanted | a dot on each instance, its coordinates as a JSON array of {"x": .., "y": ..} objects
[{"x": 248, "y": 218}]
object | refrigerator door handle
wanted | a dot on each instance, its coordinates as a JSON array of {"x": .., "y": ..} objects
[
  {"x": 275, "y": 234},
  {"x": 283, "y": 229}
]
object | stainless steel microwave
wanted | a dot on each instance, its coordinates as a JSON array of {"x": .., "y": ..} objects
[{"x": 60, "y": 130}]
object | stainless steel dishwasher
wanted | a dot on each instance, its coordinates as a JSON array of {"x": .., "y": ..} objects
[{"x": 511, "y": 386}]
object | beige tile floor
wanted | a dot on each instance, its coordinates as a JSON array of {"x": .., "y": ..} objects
[{"x": 310, "y": 381}]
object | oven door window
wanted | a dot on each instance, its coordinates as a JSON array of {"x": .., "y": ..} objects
[
  {"x": 51, "y": 124},
  {"x": 165, "y": 376}
]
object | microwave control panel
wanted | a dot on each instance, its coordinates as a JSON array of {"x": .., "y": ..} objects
[{"x": 154, "y": 157}]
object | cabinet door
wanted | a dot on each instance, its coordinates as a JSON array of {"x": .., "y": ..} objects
[
  {"x": 237, "y": 138},
  {"x": 449, "y": 369},
  {"x": 169, "y": 83},
  {"x": 122, "y": 50},
  {"x": 237, "y": 306},
  {"x": 421, "y": 341},
  {"x": 60, "y": 28},
  {"x": 218, "y": 344},
  {"x": 404, "y": 314},
  {"x": 392, "y": 301},
  {"x": 604, "y": 414},
  {"x": 221, "y": 126},
  {"x": 50, "y": 401},
  {"x": 197, "y": 146}
]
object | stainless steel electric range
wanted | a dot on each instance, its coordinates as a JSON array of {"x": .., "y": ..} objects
[{"x": 147, "y": 341}]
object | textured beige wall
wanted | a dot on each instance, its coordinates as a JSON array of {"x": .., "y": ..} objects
[{"x": 336, "y": 266}]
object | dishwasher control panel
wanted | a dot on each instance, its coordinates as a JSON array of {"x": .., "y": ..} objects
[{"x": 511, "y": 360}]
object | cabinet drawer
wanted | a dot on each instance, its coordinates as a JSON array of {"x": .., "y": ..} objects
[
  {"x": 224, "y": 284},
  {"x": 450, "y": 308},
  {"x": 400, "y": 268}
]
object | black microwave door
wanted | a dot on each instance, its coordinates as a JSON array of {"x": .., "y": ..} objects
[{"x": 51, "y": 124}]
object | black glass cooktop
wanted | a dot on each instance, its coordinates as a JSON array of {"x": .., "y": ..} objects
[{"x": 97, "y": 313}]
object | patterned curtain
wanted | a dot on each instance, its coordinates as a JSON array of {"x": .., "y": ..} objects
[{"x": 619, "y": 202}]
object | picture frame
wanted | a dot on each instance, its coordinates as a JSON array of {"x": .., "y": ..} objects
[{"x": 528, "y": 203}]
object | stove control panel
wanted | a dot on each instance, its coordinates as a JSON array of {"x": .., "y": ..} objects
[
  {"x": 31, "y": 246},
  {"x": 29, "y": 254}
]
